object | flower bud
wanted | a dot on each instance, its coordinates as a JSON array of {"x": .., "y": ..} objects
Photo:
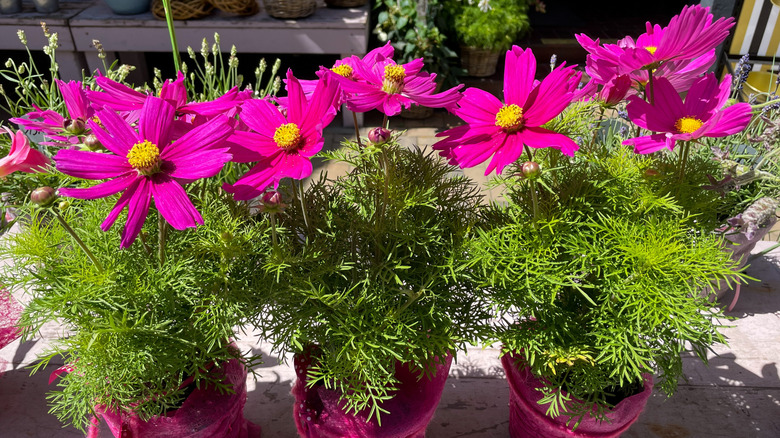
[
  {"x": 92, "y": 143},
  {"x": 531, "y": 170},
  {"x": 63, "y": 204},
  {"x": 43, "y": 196},
  {"x": 272, "y": 202},
  {"x": 74, "y": 126},
  {"x": 226, "y": 236},
  {"x": 379, "y": 136}
]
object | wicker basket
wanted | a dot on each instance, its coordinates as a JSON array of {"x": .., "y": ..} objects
[
  {"x": 183, "y": 9},
  {"x": 345, "y": 3},
  {"x": 478, "y": 62},
  {"x": 290, "y": 8},
  {"x": 237, "y": 7}
]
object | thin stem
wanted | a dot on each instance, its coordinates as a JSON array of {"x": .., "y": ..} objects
[
  {"x": 79, "y": 241},
  {"x": 357, "y": 131},
  {"x": 684, "y": 159},
  {"x": 386, "y": 122},
  {"x": 172, "y": 33},
  {"x": 161, "y": 237},
  {"x": 303, "y": 203},
  {"x": 534, "y": 200},
  {"x": 273, "y": 231},
  {"x": 767, "y": 103}
]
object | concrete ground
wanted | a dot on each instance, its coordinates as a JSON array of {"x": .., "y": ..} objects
[{"x": 736, "y": 396}]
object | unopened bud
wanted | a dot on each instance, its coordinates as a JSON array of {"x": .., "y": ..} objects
[
  {"x": 63, "y": 205},
  {"x": 43, "y": 196},
  {"x": 74, "y": 126},
  {"x": 226, "y": 236},
  {"x": 272, "y": 202},
  {"x": 531, "y": 170},
  {"x": 92, "y": 143},
  {"x": 379, "y": 136}
]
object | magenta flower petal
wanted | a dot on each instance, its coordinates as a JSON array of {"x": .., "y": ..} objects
[
  {"x": 118, "y": 137},
  {"x": 247, "y": 147},
  {"x": 538, "y": 138},
  {"x": 649, "y": 117},
  {"x": 156, "y": 118},
  {"x": 173, "y": 204},
  {"x": 201, "y": 164},
  {"x": 75, "y": 99},
  {"x": 262, "y": 117},
  {"x": 254, "y": 182},
  {"x": 506, "y": 153},
  {"x": 101, "y": 190},
  {"x": 650, "y": 143},
  {"x": 120, "y": 205},
  {"x": 22, "y": 157},
  {"x": 207, "y": 136},
  {"x": 137, "y": 210},
  {"x": 729, "y": 121},
  {"x": 90, "y": 165},
  {"x": 116, "y": 96},
  {"x": 550, "y": 97},
  {"x": 297, "y": 104},
  {"x": 519, "y": 75}
]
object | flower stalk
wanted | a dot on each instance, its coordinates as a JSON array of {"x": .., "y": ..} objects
[
  {"x": 172, "y": 33},
  {"x": 78, "y": 240}
]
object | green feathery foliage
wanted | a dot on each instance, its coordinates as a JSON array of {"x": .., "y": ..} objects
[
  {"x": 139, "y": 328},
  {"x": 608, "y": 279},
  {"x": 361, "y": 271}
]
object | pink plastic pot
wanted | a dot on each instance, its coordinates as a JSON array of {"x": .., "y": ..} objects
[
  {"x": 318, "y": 413},
  {"x": 527, "y": 417},
  {"x": 204, "y": 414},
  {"x": 10, "y": 310}
]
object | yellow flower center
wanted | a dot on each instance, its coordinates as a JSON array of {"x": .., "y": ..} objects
[
  {"x": 394, "y": 79},
  {"x": 687, "y": 125},
  {"x": 343, "y": 70},
  {"x": 510, "y": 117},
  {"x": 651, "y": 49},
  {"x": 144, "y": 157},
  {"x": 288, "y": 136}
]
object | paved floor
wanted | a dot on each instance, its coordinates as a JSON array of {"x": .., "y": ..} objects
[{"x": 737, "y": 396}]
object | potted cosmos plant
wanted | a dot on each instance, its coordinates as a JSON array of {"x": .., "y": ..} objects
[
  {"x": 487, "y": 29},
  {"x": 149, "y": 300},
  {"x": 600, "y": 261},
  {"x": 357, "y": 268}
]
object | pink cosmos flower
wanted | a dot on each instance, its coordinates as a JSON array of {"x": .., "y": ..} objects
[
  {"x": 147, "y": 164},
  {"x": 609, "y": 94},
  {"x": 501, "y": 129},
  {"x": 62, "y": 129},
  {"x": 689, "y": 35},
  {"x": 124, "y": 99},
  {"x": 343, "y": 67},
  {"x": 700, "y": 115},
  {"x": 281, "y": 142},
  {"x": 388, "y": 87},
  {"x": 22, "y": 157}
]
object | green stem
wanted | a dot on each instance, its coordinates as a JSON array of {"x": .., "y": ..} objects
[
  {"x": 273, "y": 230},
  {"x": 161, "y": 237},
  {"x": 303, "y": 203},
  {"x": 534, "y": 200},
  {"x": 172, "y": 33},
  {"x": 684, "y": 159},
  {"x": 357, "y": 130},
  {"x": 767, "y": 103},
  {"x": 386, "y": 122},
  {"x": 79, "y": 241}
]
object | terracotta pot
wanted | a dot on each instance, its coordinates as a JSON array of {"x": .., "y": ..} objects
[
  {"x": 205, "y": 413},
  {"x": 318, "y": 413},
  {"x": 527, "y": 418}
]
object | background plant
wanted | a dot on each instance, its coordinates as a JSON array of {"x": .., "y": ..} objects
[{"x": 495, "y": 29}]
